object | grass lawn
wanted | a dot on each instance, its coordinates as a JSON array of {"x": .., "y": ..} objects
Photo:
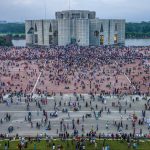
[{"x": 70, "y": 145}]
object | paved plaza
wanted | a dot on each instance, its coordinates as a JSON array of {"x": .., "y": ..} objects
[{"x": 85, "y": 104}]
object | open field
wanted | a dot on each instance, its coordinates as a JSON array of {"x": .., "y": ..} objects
[
  {"x": 70, "y": 145},
  {"x": 19, "y": 115}
]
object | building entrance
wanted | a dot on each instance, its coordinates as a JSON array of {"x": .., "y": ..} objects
[
  {"x": 115, "y": 39},
  {"x": 101, "y": 39},
  {"x": 73, "y": 41}
]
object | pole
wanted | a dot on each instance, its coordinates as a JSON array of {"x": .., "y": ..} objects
[
  {"x": 69, "y": 19},
  {"x": 69, "y": 4},
  {"x": 45, "y": 8}
]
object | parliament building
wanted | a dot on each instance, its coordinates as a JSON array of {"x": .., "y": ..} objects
[{"x": 75, "y": 27}]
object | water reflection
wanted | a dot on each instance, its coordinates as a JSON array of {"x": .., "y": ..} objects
[
  {"x": 138, "y": 42},
  {"x": 129, "y": 42}
]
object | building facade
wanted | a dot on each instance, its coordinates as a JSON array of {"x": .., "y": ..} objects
[{"x": 75, "y": 27}]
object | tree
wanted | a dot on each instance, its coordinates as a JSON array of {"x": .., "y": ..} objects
[{"x": 5, "y": 41}]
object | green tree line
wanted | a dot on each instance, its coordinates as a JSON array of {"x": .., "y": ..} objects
[
  {"x": 5, "y": 41},
  {"x": 133, "y": 30},
  {"x": 12, "y": 28},
  {"x": 138, "y": 30}
]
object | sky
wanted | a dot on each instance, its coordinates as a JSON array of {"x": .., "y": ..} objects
[{"x": 21, "y": 10}]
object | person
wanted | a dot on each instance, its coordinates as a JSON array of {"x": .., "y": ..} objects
[
  {"x": 103, "y": 148},
  {"x": 5, "y": 146},
  {"x": 95, "y": 145},
  {"x": 34, "y": 146},
  {"x": 53, "y": 147},
  {"x": 83, "y": 147},
  {"x": 108, "y": 147},
  {"x": 135, "y": 146}
]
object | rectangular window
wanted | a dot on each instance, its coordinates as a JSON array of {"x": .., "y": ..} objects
[
  {"x": 101, "y": 39},
  {"x": 50, "y": 39},
  {"x": 36, "y": 38},
  {"x": 116, "y": 27},
  {"x": 115, "y": 39},
  {"x": 75, "y": 16}
]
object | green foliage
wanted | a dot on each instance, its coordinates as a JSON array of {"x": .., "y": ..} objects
[
  {"x": 12, "y": 28},
  {"x": 138, "y": 30},
  {"x": 70, "y": 145},
  {"x": 4, "y": 41}
]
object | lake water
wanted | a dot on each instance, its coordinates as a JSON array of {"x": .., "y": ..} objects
[
  {"x": 129, "y": 42},
  {"x": 19, "y": 42},
  {"x": 138, "y": 42}
]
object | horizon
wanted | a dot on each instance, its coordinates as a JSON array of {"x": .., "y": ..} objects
[{"x": 21, "y": 22}]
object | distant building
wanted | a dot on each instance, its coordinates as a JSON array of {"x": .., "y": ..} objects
[{"x": 75, "y": 26}]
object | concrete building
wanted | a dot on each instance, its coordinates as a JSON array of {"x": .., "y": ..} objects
[{"x": 75, "y": 27}]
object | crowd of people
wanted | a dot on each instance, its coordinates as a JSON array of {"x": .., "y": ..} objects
[
  {"x": 97, "y": 71},
  {"x": 73, "y": 69},
  {"x": 79, "y": 143}
]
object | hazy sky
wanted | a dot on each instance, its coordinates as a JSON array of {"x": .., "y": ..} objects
[{"x": 20, "y": 10}]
